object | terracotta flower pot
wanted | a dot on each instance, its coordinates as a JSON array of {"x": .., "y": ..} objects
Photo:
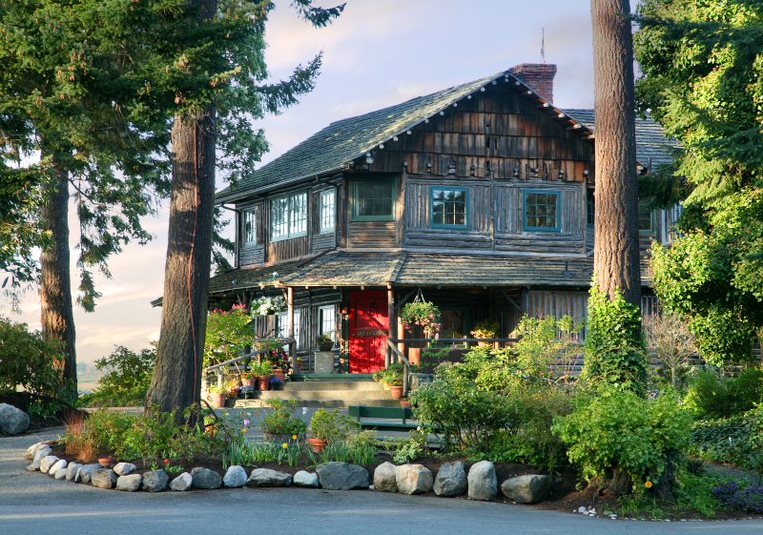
[
  {"x": 396, "y": 391},
  {"x": 264, "y": 381},
  {"x": 405, "y": 403},
  {"x": 250, "y": 381},
  {"x": 217, "y": 399},
  {"x": 279, "y": 373},
  {"x": 107, "y": 461},
  {"x": 317, "y": 445}
]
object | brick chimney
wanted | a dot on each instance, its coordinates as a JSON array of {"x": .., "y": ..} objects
[{"x": 539, "y": 76}]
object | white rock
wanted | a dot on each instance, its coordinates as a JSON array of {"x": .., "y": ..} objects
[
  {"x": 306, "y": 479},
  {"x": 582, "y": 509},
  {"x": 482, "y": 481},
  {"x": 61, "y": 463},
  {"x": 385, "y": 477},
  {"x": 42, "y": 452},
  {"x": 129, "y": 483},
  {"x": 182, "y": 482},
  {"x": 414, "y": 479},
  {"x": 124, "y": 469},
  {"x": 31, "y": 450},
  {"x": 235, "y": 477},
  {"x": 71, "y": 471},
  {"x": 46, "y": 462},
  {"x": 60, "y": 474}
]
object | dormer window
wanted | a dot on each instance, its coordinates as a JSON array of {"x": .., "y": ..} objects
[{"x": 288, "y": 216}]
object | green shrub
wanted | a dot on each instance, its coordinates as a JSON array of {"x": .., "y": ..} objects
[
  {"x": 28, "y": 362},
  {"x": 228, "y": 334},
  {"x": 712, "y": 396},
  {"x": 409, "y": 449},
  {"x": 362, "y": 447},
  {"x": 614, "y": 349},
  {"x": 736, "y": 440},
  {"x": 618, "y": 431},
  {"x": 282, "y": 420},
  {"x": 332, "y": 425},
  {"x": 125, "y": 380}
]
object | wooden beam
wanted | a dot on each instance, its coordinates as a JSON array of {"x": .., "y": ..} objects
[
  {"x": 290, "y": 321},
  {"x": 511, "y": 301}
]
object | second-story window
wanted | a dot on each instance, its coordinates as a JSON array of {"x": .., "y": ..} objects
[
  {"x": 646, "y": 217},
  {"x": 373, "y": 199},
  {"x": 288, "y": 216},
  {"x": 542, "y": 211},
  {"x": 250, "y": 226},
  {"x": 449, "y": 207},
  {"x": 327, "y": 211}
]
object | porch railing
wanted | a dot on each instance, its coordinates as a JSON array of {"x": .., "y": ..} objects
[{"x": 245, "y": 359}]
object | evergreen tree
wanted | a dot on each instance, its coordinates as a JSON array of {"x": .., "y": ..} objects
[{"x": 703, "y": 80}]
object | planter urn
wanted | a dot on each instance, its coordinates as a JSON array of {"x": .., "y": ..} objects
[{"x": 396, "y": 391}]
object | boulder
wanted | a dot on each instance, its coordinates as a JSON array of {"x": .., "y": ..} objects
[
  {"x": 342, "y": 476},
  {"x": 204, "y": 478},
  {"x": 306, "y": 479},
  {"x": 85, "y": 473},
  {"x": 12, "y": 420},
  {"x": 124, "y": 469},
  {"x": 234, "y": 477},
  {"x": 60, "y": 473},
  {"x": 46, "y": 462},
  {"x": 482, "y": 482},
  {"x": 385, "y": 477},
  {"x": 265, "y": 477},
  {"x": 155, "y": 481},
  {"x": 451, "y": 479},
  {"x": 530, "y": 488},
  {"x": 103, "y": 478},
  {"x": 71, "y": 471},
  {"x": 41, "y": 452},
  {"x": 61, "y": 463},
  {"x": 414, "y": 479},
  {"x": 129, "y": 483},
  {"x": 182, "y": 482}
]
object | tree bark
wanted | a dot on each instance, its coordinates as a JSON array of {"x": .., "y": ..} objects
[
  {"x": 616, "y": 250},
  {"x": 176, "y": 384},
  {"x": 57, "y": 315}
]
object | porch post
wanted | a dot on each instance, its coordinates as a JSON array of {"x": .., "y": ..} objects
[
  {"x": 290, "y": 322},
  {"x": 392, "y": 317}
]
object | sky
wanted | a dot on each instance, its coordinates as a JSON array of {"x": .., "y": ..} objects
[{"x": 378, "y": 53}]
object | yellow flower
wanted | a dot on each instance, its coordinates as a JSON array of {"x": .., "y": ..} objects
[
  {"x": 648, "y": 484},
  {"x": 285, "y": 446},
  {"x": 294, "y": 437},
  {"x": 244, "y": 430}
]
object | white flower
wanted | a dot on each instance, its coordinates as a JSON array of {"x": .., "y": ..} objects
[{"x": 304, "y": 410}]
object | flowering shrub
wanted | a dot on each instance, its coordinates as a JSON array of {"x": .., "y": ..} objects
[
  {"x": 264, "y": 306},
  {"x": 424, "y": 314},
  {"x": 746, "y": 499},
  {"x": 228, "y": 334}
]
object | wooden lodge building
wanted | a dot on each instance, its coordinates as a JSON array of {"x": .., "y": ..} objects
[{"x": 479, "y": 195}]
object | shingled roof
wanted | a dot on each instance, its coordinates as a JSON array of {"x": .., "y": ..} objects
[
  {"x": 348, "y": 139},
  {"x": 653, "y": 148}
]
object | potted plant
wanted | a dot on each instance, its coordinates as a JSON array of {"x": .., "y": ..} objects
[
  {"x": 217, "y": 396},
  {"x": 423, "y": 314},
  {"x": 282, "y": 425},
  {"x": 249, "y": 379},
  {"x": 486, "y": 329},
  {"x": 263, "y": 371},
  {"x": 325, "y": 343},
  {"x": 329, "y": 426},
  {"x": 234, "y": 388},
  {"x": 393, "y": 378}
]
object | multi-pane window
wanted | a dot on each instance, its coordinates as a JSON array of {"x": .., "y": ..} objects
[
  {"x": 250, "y": 226},
  {"x": 327, "y": 210},
  {"x": 541, "y": 210},
  {"x": 373, "y": 200},
  {"x": 283, "y": 325},
  {"x": 645, "y": 216},
  {"x": 327, "y": 320},
  {"x": 288, "y": 216},
  {"x": 449, "y": 207}
]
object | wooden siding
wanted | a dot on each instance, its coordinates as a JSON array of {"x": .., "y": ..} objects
[
  {"x": 327, "y": 240},
  {"x": 251, "y": 253},
  {"x": 499, "y": 134},
  {"x": 374, "y": 234}
]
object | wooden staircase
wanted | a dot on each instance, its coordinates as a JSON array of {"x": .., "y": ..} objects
[{"x": 327, "y": 391}]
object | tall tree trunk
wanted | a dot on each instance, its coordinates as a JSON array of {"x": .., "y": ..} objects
[
  {"x": 57, "y": 315},
  {"x": 616, "y": 252},
  {"x": 177, "y": 380}
]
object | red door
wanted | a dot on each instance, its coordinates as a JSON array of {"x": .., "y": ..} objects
[{"x": 369, "y": 329}]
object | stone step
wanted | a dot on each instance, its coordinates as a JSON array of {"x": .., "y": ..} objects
[
  {"x": 366, "y": 386},
  {"x": 315, "y": 403},
  {"x": 356, "y": 397}
]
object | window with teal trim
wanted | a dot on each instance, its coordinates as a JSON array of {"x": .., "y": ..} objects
[
  {"x": 449, "y": 207},
  {"x": 373, "y": 200},
  {"x": 542, "y": 211}
]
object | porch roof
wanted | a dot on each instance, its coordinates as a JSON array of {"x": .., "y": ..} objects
[{"x": 351, "y": 269}]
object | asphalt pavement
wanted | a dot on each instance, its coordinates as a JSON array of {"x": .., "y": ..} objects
[{"x": 34, "y": 504}]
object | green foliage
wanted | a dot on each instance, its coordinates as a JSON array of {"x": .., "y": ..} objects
[
  {"x": 737, "y": 439},
  {"x": 421, "y": 314},
  {"x": 704, "y": 82},
  {"x": 27, "y": 361},
  {"x": 410, "y": 448},
  {"x": 486, "y": 329},
  {"x": 393, "y": 374},
  {"x": 282, "y": 419},
  {"x": 228, "y": 334},
  {"x": 332, "y": 425},
  {"x": 362, "y": 446},
  {"x": 614, "y": 349},
  {"x": 713, "y": 396},
  {"x": 125, "y": 380},
  {"x": 619, "y": 430},
  {"x": 544, "y": 342}
]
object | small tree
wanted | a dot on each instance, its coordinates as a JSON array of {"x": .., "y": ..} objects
[{"x": 668, "y": 335}]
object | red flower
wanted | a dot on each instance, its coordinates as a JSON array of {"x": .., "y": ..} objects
[{"x": 166, "y": 461}]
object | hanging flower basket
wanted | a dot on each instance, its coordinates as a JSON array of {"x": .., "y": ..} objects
[
  {"x": 264, "y": 306},
  {"x": 424, "y": 314}
]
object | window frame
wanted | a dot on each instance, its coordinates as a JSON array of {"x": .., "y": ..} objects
[
  {"x": 282, "y": 324},
  {"x": 652, "y": 230},
  {"x": 332, "y": 310},
  {"x": 448, "y": 226},
  {"x": 247, "y": 233},
  {"x": 288, "y": 218},
  {"x": 392, "y": 183},
  {"x": 559, "y": 194},
  {"x": 321, "y": 206}
]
